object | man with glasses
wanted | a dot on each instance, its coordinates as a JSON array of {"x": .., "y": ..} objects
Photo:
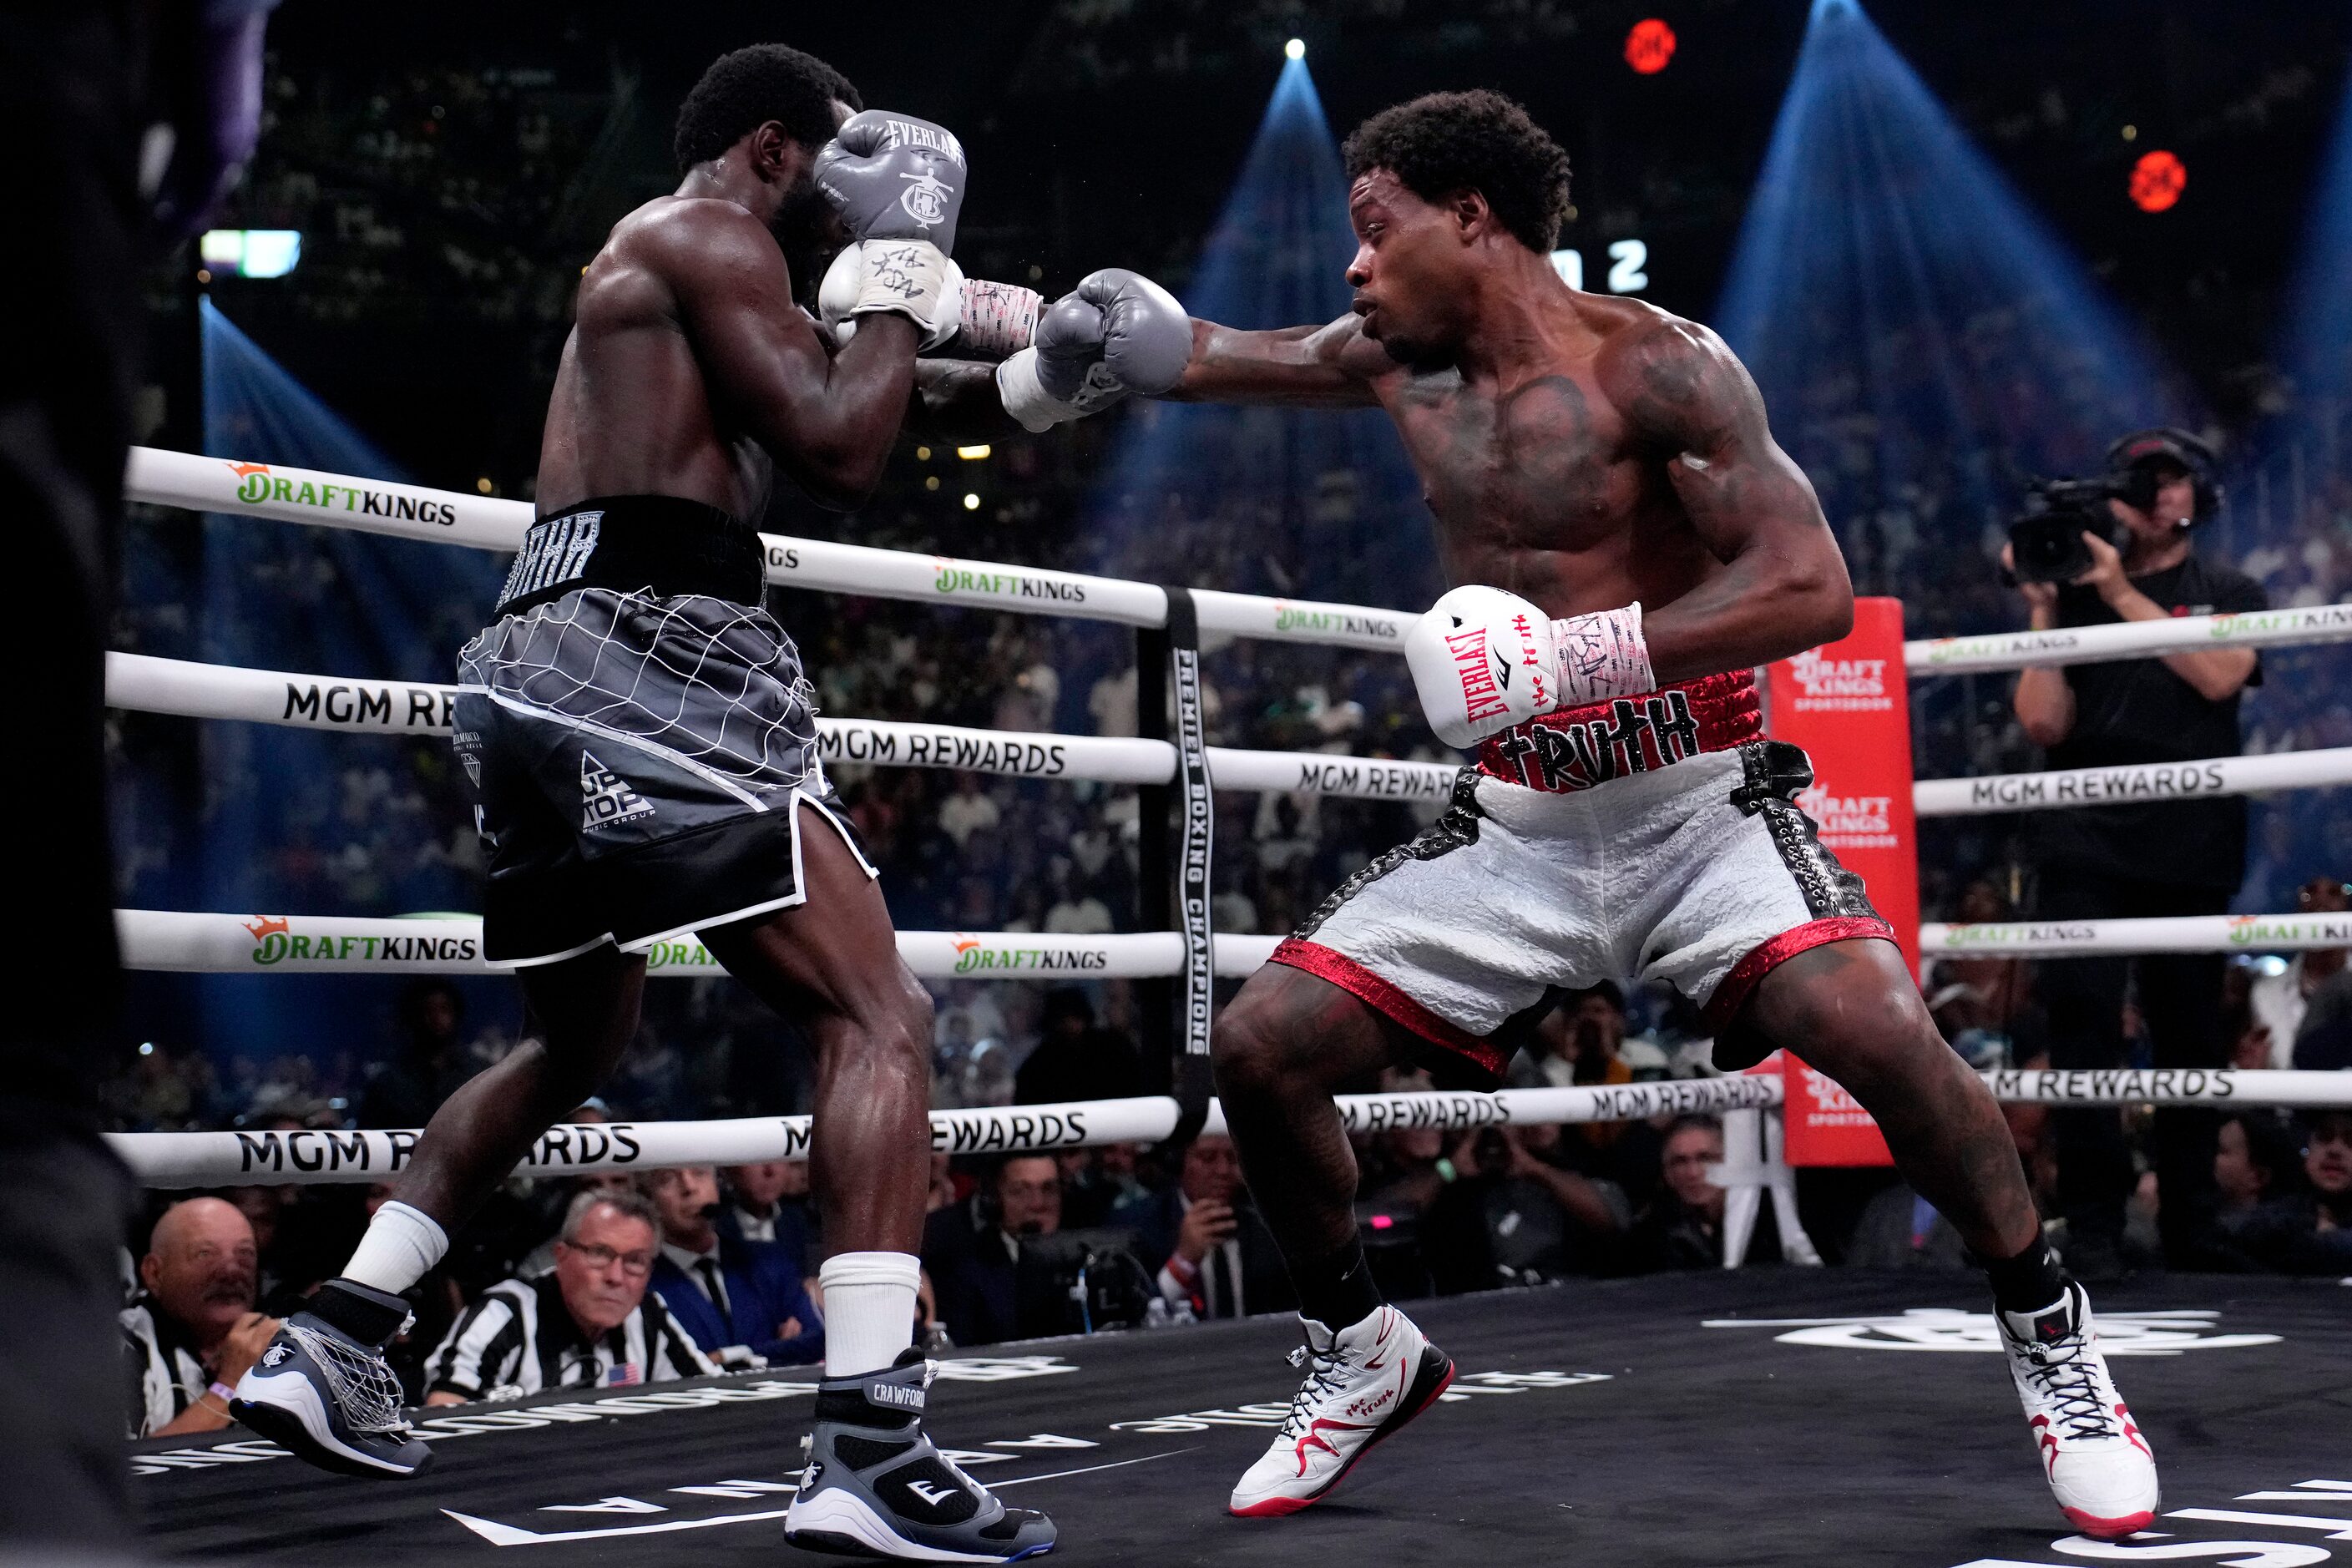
[
  {"x": 974, "y": 1253},
  {"x": 588, "y": 1323}
]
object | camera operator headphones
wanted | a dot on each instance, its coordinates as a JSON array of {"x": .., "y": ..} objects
[{"x": 2169, "y": 443}]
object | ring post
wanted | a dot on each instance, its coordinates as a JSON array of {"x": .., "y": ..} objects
[
  {"x": 1155, "y": 887},
  {"x": 1196, "y": 827}
]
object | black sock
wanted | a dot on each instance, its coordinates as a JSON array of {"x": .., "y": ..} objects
[
  {"x": 1336, "y": 1290},
  {"x": 2029, "y": 1282},
  {"x": 368, "y": 1315}
]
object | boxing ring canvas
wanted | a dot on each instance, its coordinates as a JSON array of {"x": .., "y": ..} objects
[{"x": 1682, "y": 1421}]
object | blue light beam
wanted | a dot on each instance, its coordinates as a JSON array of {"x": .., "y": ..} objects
[
  {"x": 1923, "y": 340},
  {"x": 2316, "y": 341},
  {"x": 1310, "y": 503}
]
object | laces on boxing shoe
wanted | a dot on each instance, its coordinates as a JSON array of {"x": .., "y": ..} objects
[
  {"x": 1326, "y": 1381},
  {"x": 2069, "y": 1382}
]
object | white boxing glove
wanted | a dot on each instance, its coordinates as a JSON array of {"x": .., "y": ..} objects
[
  {"x": 1485, "y": 661},
  {"x": 911, "y": 278}
]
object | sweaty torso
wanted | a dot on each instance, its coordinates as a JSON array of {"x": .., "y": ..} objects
[
  {"x": 1539, "y": 482},
  {"x": 631, "y": 412}
]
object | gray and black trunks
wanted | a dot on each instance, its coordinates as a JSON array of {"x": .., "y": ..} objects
[{"x": 637, "y": 733}]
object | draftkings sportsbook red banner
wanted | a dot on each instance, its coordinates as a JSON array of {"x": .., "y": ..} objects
[{"x": 1847, "y": 704}]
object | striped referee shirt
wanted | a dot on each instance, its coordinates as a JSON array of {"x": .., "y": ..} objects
[
  {"x": 166, "y": 1374},
  {"x": 520, "y": 1337}
]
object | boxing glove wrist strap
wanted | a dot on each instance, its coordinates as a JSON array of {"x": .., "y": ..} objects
[
  {"x": 998, "y": 319},
  {"x": 1601, "y": 655},
  {"x": 907, "y": 276}
]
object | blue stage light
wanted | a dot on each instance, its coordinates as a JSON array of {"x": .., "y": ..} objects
[
  {"x": 1923, "y": 340},
  {"x": 1310, "y": 503},
  {"x": 2316, "y": 341}
]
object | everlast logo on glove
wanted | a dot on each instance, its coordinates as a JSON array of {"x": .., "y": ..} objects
[{"x": 1481, "y": 690}]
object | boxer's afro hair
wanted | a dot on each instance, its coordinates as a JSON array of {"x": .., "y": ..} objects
[
  {"x": 1481, "y": 141},
  {"x": 743, "y": 90}
]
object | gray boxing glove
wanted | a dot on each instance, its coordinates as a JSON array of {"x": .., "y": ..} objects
[
  {"x": 1133, "y": 328},
  {"x": 892, "y": 176}
]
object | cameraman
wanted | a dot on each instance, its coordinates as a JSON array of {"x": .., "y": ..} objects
[{"x": 2174, "y": 857}]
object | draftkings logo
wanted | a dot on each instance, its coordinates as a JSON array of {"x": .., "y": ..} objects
[
  {"x": 255, "y": 482},
  {"x": 972, "y": 955},
  {"x": 1839, "y": 685},
  {"x": 606, "y": 799},
  {"x": 1850, "y": 821}
]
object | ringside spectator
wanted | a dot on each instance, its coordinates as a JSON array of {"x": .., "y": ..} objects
[
  {"x": 1683, "y": 1226},
  {"x": 1077, "y": 1059},
  {"x": 1203, "y": 1240},
  {"x": 972, "y": 1251},
  {"x": 728, "y": 1292},
  {"x": 769, "y": 1202},
  {"x": 192, "y": 1330},
  {"x": 588, "y": 1323}
]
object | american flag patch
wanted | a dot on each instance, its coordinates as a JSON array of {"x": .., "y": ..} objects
[{"x": 623, "y": 1374}]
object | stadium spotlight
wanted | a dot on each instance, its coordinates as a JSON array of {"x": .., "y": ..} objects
[
  {"x": 1649, "y": 45},
  {"x": 251, "y": 252},
  {"x": 1296, "y": 49},
  {"x": 2157, "y": 182}
]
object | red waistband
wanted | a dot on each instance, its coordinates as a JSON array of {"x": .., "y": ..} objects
[{"x": 1578, "y": 748}]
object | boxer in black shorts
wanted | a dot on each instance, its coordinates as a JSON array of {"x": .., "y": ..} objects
[
  {"x": 643, "y": 750},
  {"x": 638, "y": 735}
]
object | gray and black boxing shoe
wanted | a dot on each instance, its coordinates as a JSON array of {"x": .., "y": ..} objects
[
  {"x": 876, "y": 1486},
  {"x": 322, "y": 1392}
]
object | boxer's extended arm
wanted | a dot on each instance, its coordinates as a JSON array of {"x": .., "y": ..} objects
[
  {"x": 827, "y": 420},
  {"x": 1329, "y": 367},
  {"x": 1784, "y": 587}
]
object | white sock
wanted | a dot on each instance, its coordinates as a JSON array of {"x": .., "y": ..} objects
[
  {"x": 869, "y": 1309},
  {"x": 401, "y": 1245}
]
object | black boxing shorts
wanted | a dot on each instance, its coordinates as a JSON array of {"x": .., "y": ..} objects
[{"x": 638, "y": 735}]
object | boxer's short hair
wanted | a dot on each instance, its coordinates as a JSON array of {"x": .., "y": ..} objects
[
  {"x": 1479, "y": 141},
  {"x": 743, "y": 90}
]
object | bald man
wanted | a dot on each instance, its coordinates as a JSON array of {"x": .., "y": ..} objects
[{"x": 192, "y": 1330}]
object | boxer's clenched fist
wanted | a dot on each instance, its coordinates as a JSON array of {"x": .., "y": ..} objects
[
  {"x": 1117, "y": 332},
  {"x": 897, "y": 182},
  {"x": 893, "y": 177},
  {"x": 1484, "y": 660}
]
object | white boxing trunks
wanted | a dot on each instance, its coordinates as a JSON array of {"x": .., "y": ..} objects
[{"x": 1655, "y": 836}]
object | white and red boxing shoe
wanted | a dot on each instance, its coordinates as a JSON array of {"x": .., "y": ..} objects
[
  {"x": 1362, "y": 1384},
  {"x": 2098, "y": 1461}
]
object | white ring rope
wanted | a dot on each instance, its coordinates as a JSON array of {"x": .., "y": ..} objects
[
  {"x": 2068, "y": 787},
  {"x": 308, "y": 1157},
  {"x": 2252, "y": 1087},
  {"x": 145, "y": 684},
  {"x": 2128, "y": 639},
  {"x": 159, "y": 477},
  {"x": 452, "y": 944},
  {"x": 2166, "y": 933},
  {"x": 225, "y": 1159},
  {"x": 212, "y": 943}
]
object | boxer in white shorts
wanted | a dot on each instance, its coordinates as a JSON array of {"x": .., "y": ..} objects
[
  {"x": 1609, "y": 470},
  {"x": 1653, "y": 837}
]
